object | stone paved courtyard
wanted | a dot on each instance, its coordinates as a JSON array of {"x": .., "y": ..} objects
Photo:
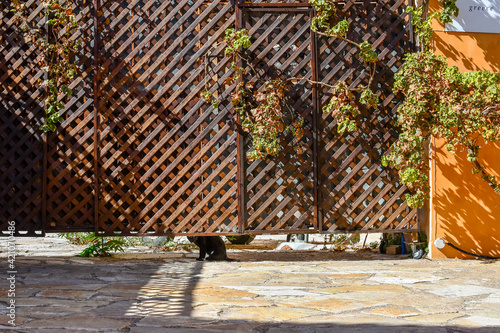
[{"x": 269, "y": 291}]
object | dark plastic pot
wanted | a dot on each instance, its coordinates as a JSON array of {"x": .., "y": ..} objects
[{"x": 241, "y": 240}]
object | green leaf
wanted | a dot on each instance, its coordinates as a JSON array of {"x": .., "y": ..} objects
[
  {"x": 342, "y": 127},
  {"x": 384, "y": 161}
]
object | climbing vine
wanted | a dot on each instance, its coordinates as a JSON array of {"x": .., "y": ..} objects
[
  {"x": 462, "y": 108},
  {"x": 263, "y": 110},
  {"x": 439, "y": 100},
  {"x": 345, "y": 102},
  {"x": 57, "y": 46}
]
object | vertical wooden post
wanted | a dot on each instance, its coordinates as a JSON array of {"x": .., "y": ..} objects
[
  {"x": 44, "y": 183},
  {"x": 316, "y": 118},
  {"x": 45, "y": 155},
  {"x": 240, "y": 157},
  {"x": 97, "y": 6}
]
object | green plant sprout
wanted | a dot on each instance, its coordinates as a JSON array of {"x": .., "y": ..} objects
[{"x": 101, "y": 247}]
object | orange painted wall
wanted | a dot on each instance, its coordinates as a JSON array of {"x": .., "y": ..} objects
[{"x": 464, "y": 209}]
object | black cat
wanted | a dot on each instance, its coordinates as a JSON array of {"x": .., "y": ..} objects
[{"x": 213, "y": 246}]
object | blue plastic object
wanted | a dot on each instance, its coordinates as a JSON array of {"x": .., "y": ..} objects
[{"x": 403, "y": 250}]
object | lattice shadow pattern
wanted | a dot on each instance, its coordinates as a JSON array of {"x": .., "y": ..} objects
[
  {"x": 168, "y": 159},
  {"x": 21, "y": 142},
  {"x": 70, "y": 150}
]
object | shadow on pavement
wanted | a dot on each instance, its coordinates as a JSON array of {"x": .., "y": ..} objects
[{"x": 67, "y": 294}]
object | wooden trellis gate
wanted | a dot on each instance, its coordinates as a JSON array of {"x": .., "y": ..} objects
[{"x": 139, "y": 151}]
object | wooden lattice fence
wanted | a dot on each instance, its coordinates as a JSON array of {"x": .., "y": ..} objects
[{"x": 139, "y": 151}]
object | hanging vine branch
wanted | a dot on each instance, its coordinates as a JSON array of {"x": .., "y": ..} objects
[
  {"x": 344, "y": 105},
  {"x": 57, "y": 48},
  {"x": 262, "y": 110},
  {"x": 441, "y": 101}
]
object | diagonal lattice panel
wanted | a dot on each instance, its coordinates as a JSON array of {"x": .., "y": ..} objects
[
  {"x": 167, "y": 159},
  {"x": 279, "y": 190},
  {"x": 357, "y": 193},
  {"x": 70, "y": 150},
  {"x": 164, "y": 161},
  {"x": 21, "y": 115}
]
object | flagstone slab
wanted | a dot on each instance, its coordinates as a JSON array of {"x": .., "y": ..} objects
[
  {"x": 275, "y": 291},
  {"x": 493, "y": 298},
  {"x": 117, "y": 310},
  {"x": 31, "y": 302},
  {"x": 189, "y": 330},
  {"x": 224, "y": 292},
  {"x": 463, "y": 290},
  {"x": 219, "y": 301},
  {"x": 354, "y": 319},
  {"x": 477, "y": 324},
  {"x": 416, "y": 278},
  {"x": 166, "y": 294},
  {"x": 392, "y": 288},
  {"x": 34, "y": 281},
  {"x": 176, "y": 330},
  {"x": 484, "y": 320},
  {"x": 329, "y": 304},
  {"x": 171, "y": 321},
  {"x": 392, "y": 311},
  {"x": 21, "y": 291},
  {"x": 295, "y": 279},
  {"x": 205, "y": 312},
  {"x": 55, "y": 312},
  {"x": 124, "y": 287},
  {"x": 423, "y": 301},
  {"x": 76, "y": 323},
  {"x": 231, "y": 326},
  {"x": 349, "y": 276},
  {"x": 66, "y": 294},
  {"x": 19, "y": 321},
  {"x": 88, "y": 286},
  {"x": 56, "y": 330},
  {"x": 119, "y": 278},
  {"x": 262, "y": 264},
  {"x": 439, "y": 318},
  {"x": 252, "y": 278},
  {"x": 484, "y": 309},
  {"x": 260, "y": 314}
]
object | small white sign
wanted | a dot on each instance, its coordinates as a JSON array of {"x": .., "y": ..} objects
[{"x": 476, "y": 16}]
